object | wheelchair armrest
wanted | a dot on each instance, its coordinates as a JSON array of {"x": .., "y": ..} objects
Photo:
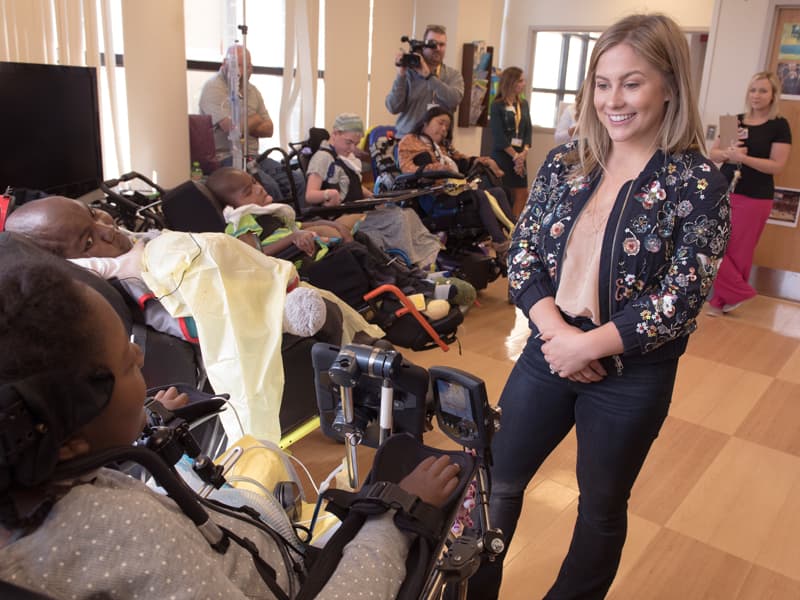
[{"x": 200, "y": 405}]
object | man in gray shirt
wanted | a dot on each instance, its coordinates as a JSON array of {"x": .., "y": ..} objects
[
  {"x": 215, "y": 100},
  {"x": 415, "y": 90}
]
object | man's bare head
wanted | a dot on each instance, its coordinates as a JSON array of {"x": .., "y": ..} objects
[
  {"x": 235, "y": 54},
  {"x": 68, "y": 228}
]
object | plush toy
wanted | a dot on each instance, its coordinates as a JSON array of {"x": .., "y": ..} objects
[
  {"x": 434, "y": 309},
  {"x": 464, "y": 295},
  {"x": 304, "y": 312},
  {"x": 437, "y": 309}
]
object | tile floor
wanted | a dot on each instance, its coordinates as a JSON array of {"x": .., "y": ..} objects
[{"x": 715, "y": 512}]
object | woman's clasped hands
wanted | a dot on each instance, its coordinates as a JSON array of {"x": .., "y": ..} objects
[{"x": 567, "y": 352}]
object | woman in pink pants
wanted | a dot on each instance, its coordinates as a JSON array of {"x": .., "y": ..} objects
[{"x": 761, "y": 152}]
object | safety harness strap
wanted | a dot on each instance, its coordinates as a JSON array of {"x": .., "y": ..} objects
[{"x": 266, "y": 572}]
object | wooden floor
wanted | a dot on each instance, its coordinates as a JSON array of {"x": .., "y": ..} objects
[{"x": 716, "y": 510}]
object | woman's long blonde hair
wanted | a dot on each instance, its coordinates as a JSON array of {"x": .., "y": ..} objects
[
  {"x": 658, "y": 40},
  {"x": 775, "y": 83}
]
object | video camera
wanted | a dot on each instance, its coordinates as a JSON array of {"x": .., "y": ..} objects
[{"x": 411, "y": 59}]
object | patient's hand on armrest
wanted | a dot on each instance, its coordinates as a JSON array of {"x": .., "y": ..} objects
[
  {"x": 171, "y": 399},
  {"x": 433, "y": 480}
]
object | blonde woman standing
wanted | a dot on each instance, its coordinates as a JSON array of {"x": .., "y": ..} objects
[
  {"x": 760, "y": 153},
  {"x": 611, "y": 261}
]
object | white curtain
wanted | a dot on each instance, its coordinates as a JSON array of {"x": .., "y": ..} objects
[
  {"x": 299, "y": 74},
  {"x": 69, "y": 32}
]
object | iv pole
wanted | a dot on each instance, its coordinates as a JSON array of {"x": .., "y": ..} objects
[{"x": 245, "y": 81}]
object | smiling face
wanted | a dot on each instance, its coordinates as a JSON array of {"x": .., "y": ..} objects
[
  {"x": 437, "y": 128},
  {"x": 629, "y": 98}
]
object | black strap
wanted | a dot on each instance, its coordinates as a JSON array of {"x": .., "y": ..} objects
[
  {"x": 354, "y": 191},
  {"x": 412, "y": 513},
  {"x": 267, "y": 573}
]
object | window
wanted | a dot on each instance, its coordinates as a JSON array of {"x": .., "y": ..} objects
[
  {"x": 207, "y": 39},
  {"x": 560, "y": 63}
]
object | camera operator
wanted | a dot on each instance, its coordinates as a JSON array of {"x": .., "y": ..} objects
[{"x": 416, "y": 89}]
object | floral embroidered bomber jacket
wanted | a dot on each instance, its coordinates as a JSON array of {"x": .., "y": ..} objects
[{"x": 663, "y": 244}]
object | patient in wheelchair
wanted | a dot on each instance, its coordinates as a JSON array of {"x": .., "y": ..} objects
[
  {"x": 334, "y": 178},
  {"x": 430, "y": 138},
  {"x": 235, "y": 296},
  {"x": 253, "y": 217},
  {"x": 72, "y": 388}
]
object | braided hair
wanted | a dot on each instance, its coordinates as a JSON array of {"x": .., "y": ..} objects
[{"x": 43, "y": 327}]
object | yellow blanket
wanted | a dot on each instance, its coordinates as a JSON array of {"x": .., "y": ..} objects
[{"x": 236, "y": 296}]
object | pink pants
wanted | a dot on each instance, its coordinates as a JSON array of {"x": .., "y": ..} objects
[{"x": 748, "y": 217}]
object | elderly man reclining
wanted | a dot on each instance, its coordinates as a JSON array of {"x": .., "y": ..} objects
[{"x": 235, "y": 295}]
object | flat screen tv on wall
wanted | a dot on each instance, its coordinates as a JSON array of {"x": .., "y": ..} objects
[{"x": 51, "y": 128}]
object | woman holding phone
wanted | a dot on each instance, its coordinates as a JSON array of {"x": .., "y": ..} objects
[{"x": 761, "y": 150}]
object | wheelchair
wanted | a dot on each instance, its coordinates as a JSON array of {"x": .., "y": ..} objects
[
  {"x": 365, "y": 277},
  {"x": 437, "y": 554},
  {"x": 449, "y": 208}
]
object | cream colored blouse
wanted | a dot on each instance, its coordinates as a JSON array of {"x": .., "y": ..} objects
[{"x": 577, "y": 293}]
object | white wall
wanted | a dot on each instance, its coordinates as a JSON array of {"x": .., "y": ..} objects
[
  {"x": 155, "y": 75},
  {"x": 735, "y": 51},
  {"x": 391, "y": 21},
  {"x": 583, "y": 15},
  {"x": 346, "y": 58}
]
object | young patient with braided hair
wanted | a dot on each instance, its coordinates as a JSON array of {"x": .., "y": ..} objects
[{"x": 76, "y": 378}]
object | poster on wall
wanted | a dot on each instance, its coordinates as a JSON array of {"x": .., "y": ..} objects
[
  {"x": 788, "y": 68},
  {"x": 785, "y": 207}
]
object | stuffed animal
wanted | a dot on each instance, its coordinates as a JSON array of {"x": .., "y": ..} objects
[
  {"x": 304, "y": 312},
  {"x": 434, "y": 309}
]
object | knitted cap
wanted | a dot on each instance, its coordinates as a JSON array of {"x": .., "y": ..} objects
[{"x": 348, "y": 122}]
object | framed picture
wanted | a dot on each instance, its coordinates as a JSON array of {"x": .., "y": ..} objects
[
  {"x": 785, "y": 207},
  {"x": 788, "y": 67}
]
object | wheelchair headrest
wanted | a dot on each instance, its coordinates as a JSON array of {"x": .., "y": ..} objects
[
  {"x": 316, "y": 135},
  {"x": 192, "y": 207},
  {"x": 38, "y": 413}
]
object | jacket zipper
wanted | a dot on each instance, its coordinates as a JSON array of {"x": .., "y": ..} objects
[{"x": 616, "y": 357}]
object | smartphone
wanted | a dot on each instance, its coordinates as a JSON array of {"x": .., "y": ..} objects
[{"x": 728, "y": 130}]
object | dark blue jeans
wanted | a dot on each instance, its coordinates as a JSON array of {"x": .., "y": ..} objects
[{"x": 616, "y": 421}]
